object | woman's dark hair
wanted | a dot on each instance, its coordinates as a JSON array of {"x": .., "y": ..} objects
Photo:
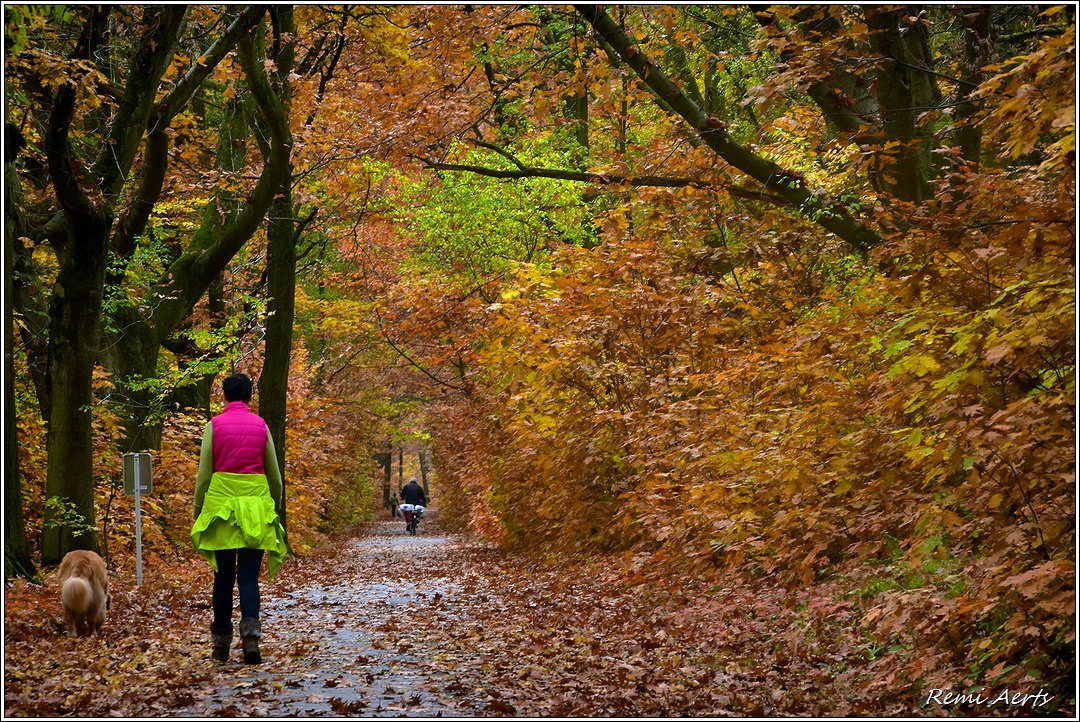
[{"x": 237, "y": 388}]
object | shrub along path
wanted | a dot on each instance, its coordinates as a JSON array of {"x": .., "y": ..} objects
[{"x": 380, "y": 623}]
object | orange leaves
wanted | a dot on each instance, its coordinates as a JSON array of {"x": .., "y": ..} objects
[
  {"x": 143, "y": 665},
  {"x": 1033, "y": 103},
  {"x": 757, "y": 431},
  {"x": 1035, "y": 582}
]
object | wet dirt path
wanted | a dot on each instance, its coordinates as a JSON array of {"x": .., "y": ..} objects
[
  {"x": 384, "y": 624},
  {"x": 340, "y": 644}
]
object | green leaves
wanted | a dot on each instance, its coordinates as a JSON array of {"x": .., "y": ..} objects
[
  {"x": 20, "y": 21},
  {"x": 62, "y": 512},
  {"x": 472, "y": 228}
]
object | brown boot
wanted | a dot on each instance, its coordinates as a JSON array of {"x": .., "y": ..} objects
[
  {"x": 250, "y": 633},
  {"x": 221, "y": 639}
]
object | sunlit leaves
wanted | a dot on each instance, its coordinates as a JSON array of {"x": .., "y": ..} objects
[{"x": 472, "y": 228}]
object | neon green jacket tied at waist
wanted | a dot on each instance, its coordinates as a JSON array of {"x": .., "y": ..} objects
[{"x": 237, "y": 511}]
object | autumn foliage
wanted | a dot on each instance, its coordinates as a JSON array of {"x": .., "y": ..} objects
[
  {"x": 623, "y": 340},
  {"x": 779, "y": 412}
]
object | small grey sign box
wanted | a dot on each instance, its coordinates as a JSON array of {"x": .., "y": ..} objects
[{"x": 138, "y": 464}]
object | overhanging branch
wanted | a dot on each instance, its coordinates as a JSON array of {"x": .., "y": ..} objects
[
  {"x": 524, "y": 171},
  {"x": 401, "y": 352},
  {"x": 831, "y": 215}
]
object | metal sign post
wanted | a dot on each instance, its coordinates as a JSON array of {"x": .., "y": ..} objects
[{"x": 138, "y": 478}]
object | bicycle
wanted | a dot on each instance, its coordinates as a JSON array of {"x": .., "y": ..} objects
[{"x": 412, "y": 513}]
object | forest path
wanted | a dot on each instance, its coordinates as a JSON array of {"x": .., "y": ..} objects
[
  {"x": 340, "y": 643},
  {"x": 388, "y": 624}
]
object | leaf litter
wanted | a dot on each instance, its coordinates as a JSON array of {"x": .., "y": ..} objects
[{"x": 380, "y": 623}]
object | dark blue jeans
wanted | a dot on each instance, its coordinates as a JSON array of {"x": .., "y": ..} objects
[{"x": 240, "y": 568}]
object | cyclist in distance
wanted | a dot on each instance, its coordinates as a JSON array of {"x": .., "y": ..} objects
[
  {"x": 413, "y": 493},
  {"x": 413, "y": 503}
]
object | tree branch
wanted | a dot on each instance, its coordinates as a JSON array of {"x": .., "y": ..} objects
[
  {"x": 129, "y": 123},
  {"x": 400, "y": 352},
  {"x": 62, "y": 169},
  {"x": 501, "y": 151},
  {"x": 605, "y": 179},
  {"x": 156, "y": 157},
  {"x": 203, "y": 65},
  {"x": 210, "y": 252},
  {"x": 832, "y": 216}
]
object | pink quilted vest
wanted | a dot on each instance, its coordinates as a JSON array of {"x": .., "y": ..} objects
[{"x": 239, "y": 440}]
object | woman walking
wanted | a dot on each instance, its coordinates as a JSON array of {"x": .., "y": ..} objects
[{"x": 238, "y": 497}]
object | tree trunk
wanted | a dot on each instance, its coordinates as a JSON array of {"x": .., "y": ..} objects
[
  {"x": 281, "y": 268},
  {"x": 978, "y": 53},
  {"x": 137, "y": 351},
  {"x": 133, "y": 360},
  {"x": 29, "y": 301},
  {"x": 387, "y": 460},
  {"x": 220, "y": 235},
  {"x": 424, "y": 467},
  {"x": 87, "y": 193},
  {"x": 17, "y": 561},
  {"x": 74, "y": 333},
  {"x": 281, "y": 282},
  {"x": 576, "y": 99},
  {"x": 80, "y": 236},
  {"x": 906, "y": 89}
]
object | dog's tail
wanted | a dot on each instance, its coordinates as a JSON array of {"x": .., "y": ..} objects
[{"x": 77, "y": 594}]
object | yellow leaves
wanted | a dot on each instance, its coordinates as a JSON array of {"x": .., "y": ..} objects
[
  {"x": 686, "y": 37},
  {"x": 339, "y": 319},
  {"x": 922, "y": 364},
  {"x": 1032, "y": 97},
  {"x": 751, "y": 309},
  {"x": 917, "y": 364}
]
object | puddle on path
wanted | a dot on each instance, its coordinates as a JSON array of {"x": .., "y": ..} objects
[{"x": 345, "y": 648}]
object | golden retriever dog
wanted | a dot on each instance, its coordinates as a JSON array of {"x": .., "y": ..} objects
[{"x": 84, "y": 591}]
